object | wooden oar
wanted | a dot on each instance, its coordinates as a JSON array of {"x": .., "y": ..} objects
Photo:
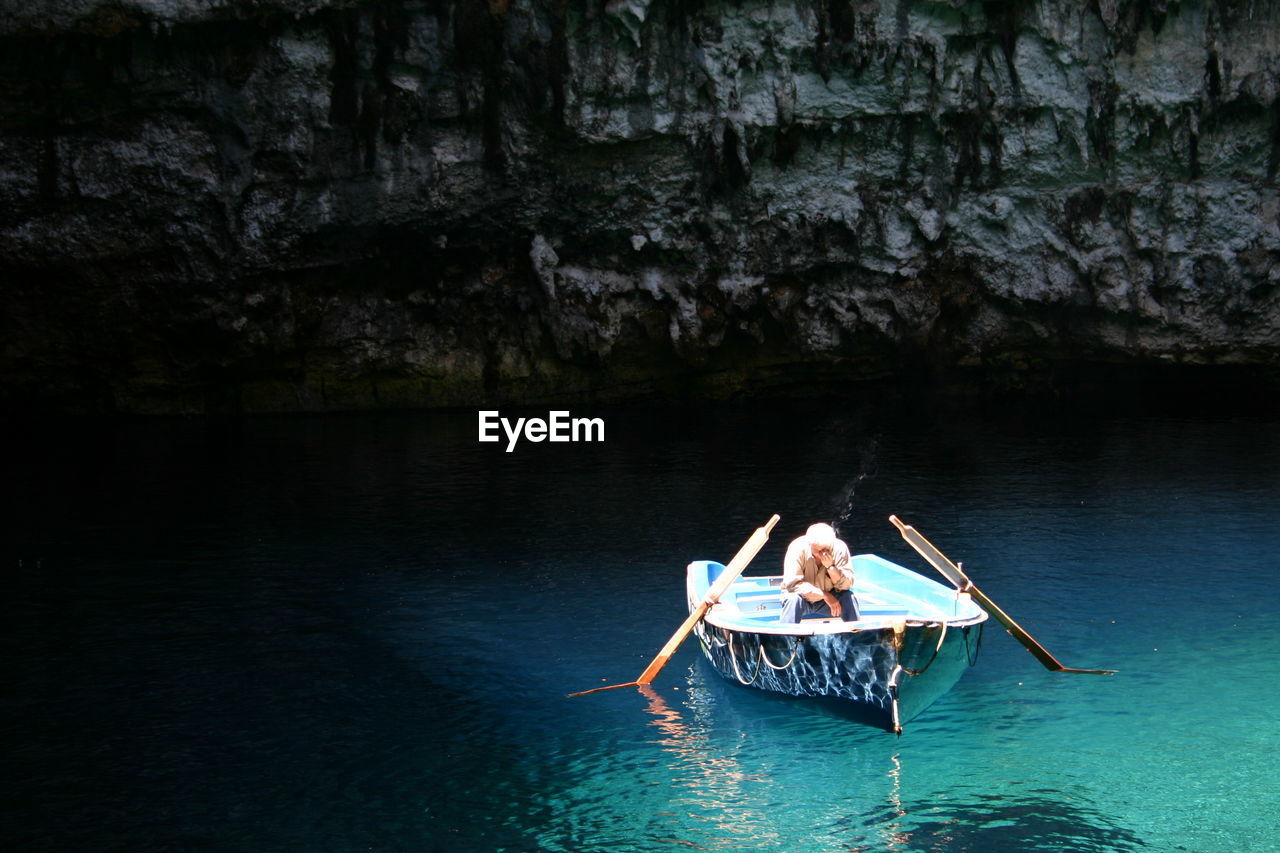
[
  {"x": 961, "y": 581},
  {"x": 728, "y": 576}
]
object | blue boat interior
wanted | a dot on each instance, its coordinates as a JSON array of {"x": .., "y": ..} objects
[{"x": 886, "y": 592}]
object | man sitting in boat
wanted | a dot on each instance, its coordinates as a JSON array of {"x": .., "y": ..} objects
[{"x": 817, "y": 577}]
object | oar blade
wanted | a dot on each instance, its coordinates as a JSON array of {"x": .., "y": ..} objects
[
  {"x": 1016, "y": 631},
  {"x": 601, "y": 689}
]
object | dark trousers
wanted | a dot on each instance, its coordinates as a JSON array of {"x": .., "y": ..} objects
[{"x": 794, "y": 607}]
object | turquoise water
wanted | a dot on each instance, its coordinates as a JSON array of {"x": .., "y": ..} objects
[{"x": 357, "y": 633}]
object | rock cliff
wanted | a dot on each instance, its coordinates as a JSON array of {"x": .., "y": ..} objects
[{"x": 308, "y": 205}]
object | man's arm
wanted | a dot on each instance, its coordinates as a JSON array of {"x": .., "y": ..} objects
[
  {"x": 793, "y": 573},
  {"x": 841, "y": 571}
]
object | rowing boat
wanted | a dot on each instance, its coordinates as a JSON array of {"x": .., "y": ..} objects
[{"x": 912, "y": 642}]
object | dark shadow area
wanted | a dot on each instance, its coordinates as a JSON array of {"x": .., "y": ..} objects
[{"x": 994, "y": 823}]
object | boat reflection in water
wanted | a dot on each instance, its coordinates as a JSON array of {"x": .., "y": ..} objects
[{"x": 710, "y": 782}]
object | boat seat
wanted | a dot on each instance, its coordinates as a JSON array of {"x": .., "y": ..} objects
[
  {"x": 765, "y": 604},
  {"x": 758, "y": 603},
  {"x": 754, "y": 595}
]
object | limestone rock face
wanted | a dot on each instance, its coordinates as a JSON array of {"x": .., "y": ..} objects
[{"x": 309, "y": 205}]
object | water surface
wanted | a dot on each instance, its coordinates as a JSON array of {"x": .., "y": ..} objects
[{"x": 357, "y": 633}]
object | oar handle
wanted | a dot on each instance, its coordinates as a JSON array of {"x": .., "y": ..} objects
[
  {"x": 936, "y": 558},
  {"x": 739, "y": 562}
]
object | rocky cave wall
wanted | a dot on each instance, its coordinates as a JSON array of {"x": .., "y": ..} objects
[{"x": 309, "y": 205}]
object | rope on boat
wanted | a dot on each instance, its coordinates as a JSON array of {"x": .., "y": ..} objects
[
  {"x": 941, "y": 637},
  {"x": 972, "y": 655},
  {"x": 795, "y": 649},
  {"x": 734, "y": 660}
]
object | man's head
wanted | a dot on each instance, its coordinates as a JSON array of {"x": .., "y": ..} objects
[{"x": 822, "y": 543}]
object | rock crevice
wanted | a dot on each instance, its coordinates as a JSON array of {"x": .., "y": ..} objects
[{"x": 310, "y": 205}]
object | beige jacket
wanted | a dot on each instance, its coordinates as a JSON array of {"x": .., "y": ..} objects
[{"x": 803, "y": 574}]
